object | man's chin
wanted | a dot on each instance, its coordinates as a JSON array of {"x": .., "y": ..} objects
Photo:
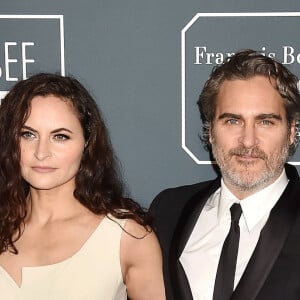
[
  {"x": 248, "y": 170},
  {"x": 250, "y": 180}
]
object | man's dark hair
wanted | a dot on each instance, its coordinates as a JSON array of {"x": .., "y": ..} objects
[{"x": 244, "y": 65}]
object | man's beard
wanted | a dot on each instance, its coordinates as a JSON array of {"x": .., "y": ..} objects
[{"x": 245, "y": 179}]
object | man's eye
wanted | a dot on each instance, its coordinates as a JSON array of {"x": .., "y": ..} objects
[
  {"x": 232, "y": 121},
  {"x": 266, "y": 122},
  {"x": 61, "y": 137},
  {"x": 27, "y": 135}
]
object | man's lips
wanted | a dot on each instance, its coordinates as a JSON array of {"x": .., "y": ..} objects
[{"x": 248, "y": 156}]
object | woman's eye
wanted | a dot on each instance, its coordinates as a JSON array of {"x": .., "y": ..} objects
[
  {"x": 27, "y": 135},
  {"x": 61, "y": 137}
]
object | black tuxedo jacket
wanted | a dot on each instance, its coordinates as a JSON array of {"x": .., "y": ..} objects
[{"x": 273, "y": 272}]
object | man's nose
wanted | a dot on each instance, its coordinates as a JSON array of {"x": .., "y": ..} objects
[{"x": 248, "y": 135}]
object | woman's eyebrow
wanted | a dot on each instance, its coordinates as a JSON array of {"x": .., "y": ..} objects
[
  {"x": 53, "y": 131},
  {"x": 28, "y": 128},
  {"x": 61, "y": 129}
]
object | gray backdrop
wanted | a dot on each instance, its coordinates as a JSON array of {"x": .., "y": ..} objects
[{"x": 129, "y": 55}]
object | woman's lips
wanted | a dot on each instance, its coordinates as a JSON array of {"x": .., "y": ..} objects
[{"x": 43, "y": 169}]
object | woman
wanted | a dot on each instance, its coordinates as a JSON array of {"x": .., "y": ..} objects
[{"x": 66, "y": 231}]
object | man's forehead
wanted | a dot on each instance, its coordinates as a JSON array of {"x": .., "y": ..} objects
[{"x": 249, "y": 98}]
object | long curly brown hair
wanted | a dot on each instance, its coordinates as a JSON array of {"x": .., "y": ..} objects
[{"x": 97, "y": 184}]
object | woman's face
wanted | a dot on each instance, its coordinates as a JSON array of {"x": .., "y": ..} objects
[{"x": 52, "y": 144}]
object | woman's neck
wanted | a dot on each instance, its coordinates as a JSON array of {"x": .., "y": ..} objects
[{"x": 45, "y": 206}]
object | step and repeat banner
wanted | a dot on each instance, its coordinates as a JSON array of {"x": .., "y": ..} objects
[{"x": 145, "y": 64}]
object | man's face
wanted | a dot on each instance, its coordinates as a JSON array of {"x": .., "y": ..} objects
[{"x": 250, "y": 135}]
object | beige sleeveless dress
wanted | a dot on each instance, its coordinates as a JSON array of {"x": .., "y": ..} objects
[{"x": 92, "y": 273}]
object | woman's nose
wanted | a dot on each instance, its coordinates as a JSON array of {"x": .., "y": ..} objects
[{"x": 42, "y": 149}]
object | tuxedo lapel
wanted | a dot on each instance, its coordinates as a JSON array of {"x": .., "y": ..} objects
[
  {"x": 270, "y": 243},
  {"x": 182, "y": 233}
]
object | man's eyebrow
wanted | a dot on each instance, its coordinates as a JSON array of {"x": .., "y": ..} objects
[
  {"x": 258, "y": 117},
  {"x": 53, "y": 131},
  {"x": 229, "y": 115},
  {"x": 269, "y": 116}
]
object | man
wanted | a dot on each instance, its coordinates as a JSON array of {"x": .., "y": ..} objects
[{"x": 250, "y": 109}]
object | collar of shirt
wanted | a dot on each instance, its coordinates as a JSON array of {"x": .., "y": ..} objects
[{"x": 264, "y": 200}]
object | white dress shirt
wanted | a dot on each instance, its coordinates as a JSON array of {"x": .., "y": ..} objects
[{"x": 201, "y": 254}]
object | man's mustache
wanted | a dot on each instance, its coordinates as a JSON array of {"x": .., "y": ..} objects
[{"x": 254, "y": 152}]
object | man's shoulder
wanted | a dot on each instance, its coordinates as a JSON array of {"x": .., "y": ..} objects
[
  {"x": 175, "y": 198},
  {"x": 184, "y": 191},
  {"x": 167, "y": 207}
]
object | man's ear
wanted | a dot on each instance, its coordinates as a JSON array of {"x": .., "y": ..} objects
[
  {"x": 293, "y": 132},
  {"x": 210, "y": 133}
]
